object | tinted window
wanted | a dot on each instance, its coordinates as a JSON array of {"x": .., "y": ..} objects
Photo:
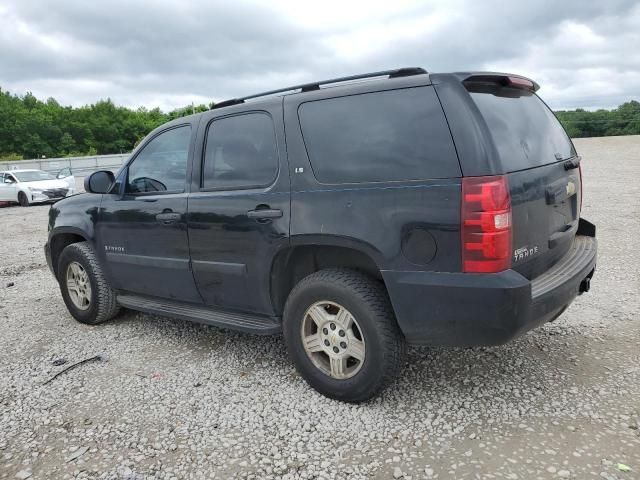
[
  {"x": 162, "y": 163},
  {"x": 524, "y": 130},
  {"x": 240, "y": 152},
  {"x": 381, "y": 136}
]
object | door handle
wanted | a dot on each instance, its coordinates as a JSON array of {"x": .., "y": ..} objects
[
  {"x": 168, "y": 217},
  {"x": 263, "y": 213}
]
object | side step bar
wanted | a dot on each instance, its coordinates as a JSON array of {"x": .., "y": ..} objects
[{"x": 244, "y": 322}]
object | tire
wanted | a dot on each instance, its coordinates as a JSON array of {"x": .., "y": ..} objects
[
  {"x": 99, "y": 303},
  {"x": 23, "y": 200},
  {"x": 373, "y": 334}
]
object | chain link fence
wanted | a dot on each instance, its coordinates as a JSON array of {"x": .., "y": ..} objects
[{"x": 80, "y": 166}]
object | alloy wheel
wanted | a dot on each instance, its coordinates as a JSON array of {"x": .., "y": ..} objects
[
  {"x": 78, "y": 286},
  {"x": 333, "y": 340}
]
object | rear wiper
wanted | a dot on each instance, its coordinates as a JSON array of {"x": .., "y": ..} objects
[{"x": 571, "y": 164}]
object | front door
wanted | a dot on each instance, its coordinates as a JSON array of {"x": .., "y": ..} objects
[
  {"x": 142, "y": 230},
  {"x": 8, "y": 190},
  {"x": 67, "y": 175},
  {"x": 238, "y": 208}
]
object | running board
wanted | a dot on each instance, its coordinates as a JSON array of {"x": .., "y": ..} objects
[{"x": 244, "y": 322}]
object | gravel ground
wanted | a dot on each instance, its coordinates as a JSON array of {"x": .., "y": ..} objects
[{"x": 171, "y": 399}]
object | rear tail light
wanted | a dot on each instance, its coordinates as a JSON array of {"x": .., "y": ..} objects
[{"x": 486, "y": 224}]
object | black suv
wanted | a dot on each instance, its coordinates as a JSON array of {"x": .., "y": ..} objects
[{"x": 354, "y": 215}]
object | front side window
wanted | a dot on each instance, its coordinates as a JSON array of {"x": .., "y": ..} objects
[
  {"x": 161, "y": 166},
  {"x": 64, "y": 173},
  {"x": 240, "y": 152}
]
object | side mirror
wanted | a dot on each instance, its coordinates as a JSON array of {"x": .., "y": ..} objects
[
  {"x": 99, "y": 182},
  {"x": 8, "y": 180}
]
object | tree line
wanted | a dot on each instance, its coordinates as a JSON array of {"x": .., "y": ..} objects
[
  {"x": 31, "y": 128},
  {"x": 624, "y": 120}
]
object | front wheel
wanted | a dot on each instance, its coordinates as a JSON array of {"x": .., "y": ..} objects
[
  {"x": 85, "y": 290},
  {"x": 23, "y": 200},
  {"x": 342, "y": 335}
]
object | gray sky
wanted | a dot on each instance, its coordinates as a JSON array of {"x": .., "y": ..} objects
[{"x": 584, "y": 53}]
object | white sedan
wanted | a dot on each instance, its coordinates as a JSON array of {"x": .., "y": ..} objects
[{"x": 35, "y": 186}]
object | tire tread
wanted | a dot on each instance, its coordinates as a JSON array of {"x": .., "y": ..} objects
[
  {"x": 107, "y": 305},
  {"x": 374, "y": 294}
]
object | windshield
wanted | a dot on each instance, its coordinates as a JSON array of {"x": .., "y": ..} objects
[
  {"x": 525, "y": 131},
  {"x": 33, "y": 176}
]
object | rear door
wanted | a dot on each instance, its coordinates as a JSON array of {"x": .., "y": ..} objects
[
  {"x": 239, "y": 207},
  {"x": 542, "y": 169}
]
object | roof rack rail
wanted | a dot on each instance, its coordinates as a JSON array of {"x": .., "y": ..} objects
[{"x": 309, "y": 87}]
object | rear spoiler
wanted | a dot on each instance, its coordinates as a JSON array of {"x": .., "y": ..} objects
[{"x": 504, "y": 79}]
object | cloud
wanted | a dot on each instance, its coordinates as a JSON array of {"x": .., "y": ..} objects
[{"x": 172, "y": 52}]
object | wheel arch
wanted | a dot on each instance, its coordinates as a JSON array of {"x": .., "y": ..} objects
[
  {"x": 24, "y": 191},
  {"x": 313, "y": 253},
  {"x": 60, "y": 238}
]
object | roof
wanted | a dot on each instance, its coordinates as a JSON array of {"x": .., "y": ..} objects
[
  {"x": 381, "y": 76},
  {"x": 309, "y": 87}
]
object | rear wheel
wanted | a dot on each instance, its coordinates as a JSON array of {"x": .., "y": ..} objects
[
  {"x": 342, "y": 335},
  {"x": 85, "y": 290},
  {"x": 23, "y": 200}
]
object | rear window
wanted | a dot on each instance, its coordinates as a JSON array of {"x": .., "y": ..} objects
[
  {"x": 525, "y": 132},
  {"x": 381, "y": 136}
]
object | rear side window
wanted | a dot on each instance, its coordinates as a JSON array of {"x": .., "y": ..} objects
[
  {"x": 240, "y": 152},
  {"x": 382, "y": 136},
  {"x": 526, "y": 133}
]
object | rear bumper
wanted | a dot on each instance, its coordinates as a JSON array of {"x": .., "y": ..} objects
[{"x": 460, "y": 309}]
